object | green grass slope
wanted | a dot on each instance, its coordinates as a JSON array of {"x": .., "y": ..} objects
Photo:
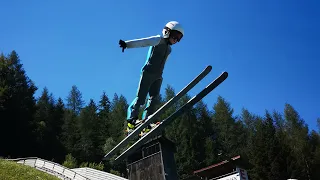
[{"x": 14, "y": 171}]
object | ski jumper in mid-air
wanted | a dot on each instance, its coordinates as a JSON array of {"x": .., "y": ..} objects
[{"x": 151, "y": 73}]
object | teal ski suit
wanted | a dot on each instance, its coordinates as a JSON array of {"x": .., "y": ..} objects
[{"x": 151, "y": 75}]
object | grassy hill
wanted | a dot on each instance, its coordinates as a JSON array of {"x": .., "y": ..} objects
[{"x": 14, "y": 171}]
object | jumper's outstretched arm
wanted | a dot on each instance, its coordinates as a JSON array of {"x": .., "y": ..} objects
[{"x": 143, "y": 42}]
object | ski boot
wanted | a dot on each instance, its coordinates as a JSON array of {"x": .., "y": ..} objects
[
  {"x": 148, "y": 128},
  {"x": 131, "y": 126}
]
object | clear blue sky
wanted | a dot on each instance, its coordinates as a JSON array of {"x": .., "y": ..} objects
[{"x": 270, "y": 48}]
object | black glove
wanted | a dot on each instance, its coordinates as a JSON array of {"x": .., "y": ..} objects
[{"x": 122, "y": 44}]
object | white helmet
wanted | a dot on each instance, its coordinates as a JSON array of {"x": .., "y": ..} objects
[{"x": 172, "y": 25}]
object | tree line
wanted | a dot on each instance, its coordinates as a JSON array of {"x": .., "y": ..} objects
[{"x": 277, "y": 145}]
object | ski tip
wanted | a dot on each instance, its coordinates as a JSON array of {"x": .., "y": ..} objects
[
  {"x": 209, "y": 67},
  {"x": 225, "y": 74},
  {"x": 105, "y": 157}
]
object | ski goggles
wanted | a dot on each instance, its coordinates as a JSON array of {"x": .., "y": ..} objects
[{"x": 176, "y": 35}]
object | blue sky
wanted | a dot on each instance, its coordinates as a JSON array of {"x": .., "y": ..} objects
[{"x": 270, "y": 48}]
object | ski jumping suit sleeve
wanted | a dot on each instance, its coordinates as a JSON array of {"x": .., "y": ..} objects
[
  {"x": 144, "y": 42},
  {"x": 151, "y": 75}
]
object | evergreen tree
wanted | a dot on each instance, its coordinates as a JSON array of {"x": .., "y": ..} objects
[
  {"x": 185, "y": 137},
  {"x": 104, "y": 116},
  {"x": 314, "y": 155},
  {"x": 205, "y": 135},
  {"x": 118, "y": 117},
  {"x": 297, "y": 140},
  {"x": 58, "y": 114},
  {"x": 71, "y": 132},
  {"x": 266, "y": 153},
  {"x": 229, "y": 133},
  {"x": 57, "y": 125},
  {"x": 89, "y": 132},
  {"x": 250, "y": 122},
  {"x": 74, "y": 100},
  {"x": 44, "y": 118},
  {"x": 116, "y": 129},
  {"x": 17, "y": 107},
  {"x": 171, "y": 130}
]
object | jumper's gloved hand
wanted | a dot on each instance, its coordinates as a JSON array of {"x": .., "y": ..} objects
[{"x": 122, "y": 44}]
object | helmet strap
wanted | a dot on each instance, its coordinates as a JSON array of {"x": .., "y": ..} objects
[{"x": 167, "y": 31}]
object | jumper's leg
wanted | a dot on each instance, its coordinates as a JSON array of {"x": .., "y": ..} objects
[
  {"x": 144, "y": 86},
  {"x": 154, "y": 98},
  {"x": 153, "y": 101},
  {"x": 142, "y": 91}
]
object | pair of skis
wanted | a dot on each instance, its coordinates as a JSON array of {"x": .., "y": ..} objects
[{"x": 151, "y": 119}]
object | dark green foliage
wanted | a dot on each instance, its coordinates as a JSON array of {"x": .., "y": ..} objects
[
  {"x": 104, "y": 116},
  {"x": 70, "y": 161},
  {"x": 49, "y": 120},
  {"x": 17, "y": 108},
  {"x": 118, "y": 117},
  {"x": 266, "y": 152},
  {"x": 57, "y": 131},
  {"x": 74, "y": 100},
  {"x": 228, "y": 132},
  {"x": 89, "y": 123},
  {"x": 276, "y": 145}
]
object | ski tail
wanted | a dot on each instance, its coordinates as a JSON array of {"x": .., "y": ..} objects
[
  {"x": 157, "y": 130},
  {"x": 156, "y": 114}
]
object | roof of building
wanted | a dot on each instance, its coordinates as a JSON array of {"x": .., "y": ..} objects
[{"x": 221, "y": 168}]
